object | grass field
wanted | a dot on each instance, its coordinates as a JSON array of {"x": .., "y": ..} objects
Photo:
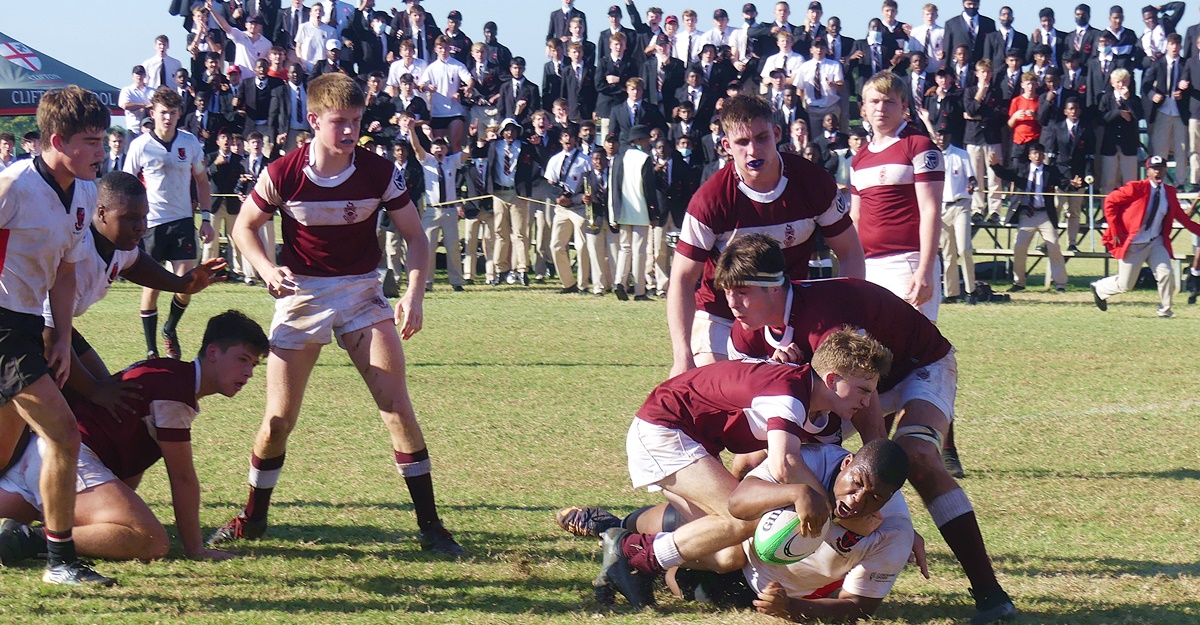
[{"x": 1077, "y": 429}]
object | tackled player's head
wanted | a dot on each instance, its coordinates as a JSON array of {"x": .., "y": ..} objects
[
  {"x": 869, "y": 479},
  {"x": 73, "y": 123},
  {"x": 753, "y": 274},
  {"x": 233, "y": 345},
  {"x": 121, "y": 209},
  {"x": 850, "y": 363},
  {"x": 335, "y": 109}
]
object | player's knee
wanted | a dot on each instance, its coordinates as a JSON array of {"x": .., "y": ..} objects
[
  {"x": 278, "y": 428},
  {"x": 156, "y": 545},
  {"x": 925, "y": 460}
]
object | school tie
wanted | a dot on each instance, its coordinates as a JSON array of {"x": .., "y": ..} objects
[
  {"x": 508, "y": 159},
  {"x": 566, "y": 167},
  {"x": 974, "y": 31},
  {"x": 689, "y": 49},
  {"x": 816, "y": 83},
  {"x": 928, "y": 41},
  {"x": 1156, "y": 199},
  {"x": 299, "y": 108},
  {"x": 876, "y": 59},
  {"x": 633, "y": 115},
  {"x": 162, "y": 73},
  {"x": 442, "y": 194}
]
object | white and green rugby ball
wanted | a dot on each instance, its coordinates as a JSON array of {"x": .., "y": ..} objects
[{"x": 777, "y": 538}]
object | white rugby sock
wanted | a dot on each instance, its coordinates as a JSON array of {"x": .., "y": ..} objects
[
  {"x": 949, "y": 506},
  {"x": 665, "y": 550}
]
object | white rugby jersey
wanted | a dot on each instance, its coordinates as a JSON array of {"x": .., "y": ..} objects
[
  {"x": 93, "y": 276},
  {"x": 866, "y": 566},
  {"x": 37, "y": 232},
  {"x": 166, "y": 170}
]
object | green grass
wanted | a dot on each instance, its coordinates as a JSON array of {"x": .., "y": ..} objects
[{"x": 1077, "y": 429}]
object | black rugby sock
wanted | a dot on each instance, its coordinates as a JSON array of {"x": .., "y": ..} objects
[{"x": 149, "y": 328}]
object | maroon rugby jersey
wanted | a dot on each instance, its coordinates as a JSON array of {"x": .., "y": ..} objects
[
  {"x": 163, "y": 410},
  {"x": 732, "y": 404},
  {"x": 889, "y": 220},
  {"x": 722, "y": 209},
  {"x": 329, "y": 224},
  {"x": 821, "y": 307}
]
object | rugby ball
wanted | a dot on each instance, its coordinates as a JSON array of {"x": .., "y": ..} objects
[{"x": 777, "y": 538}]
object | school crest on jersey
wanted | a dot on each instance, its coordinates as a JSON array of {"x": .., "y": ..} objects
[
  {"x": 846, "y": 541},
  {"x": 789, "y": 235},
  {"x": 350, "y": 214},
  {"x": 181, "y": 153},
  {"x": 79, "y": 218},
  {"x": 933, "y": 160},
  {"x": 112, "y": 273}
]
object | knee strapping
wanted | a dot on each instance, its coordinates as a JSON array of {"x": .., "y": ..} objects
[{"x": 920, "y": 432}]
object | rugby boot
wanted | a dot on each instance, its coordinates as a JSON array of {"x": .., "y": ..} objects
[
  {"x": 19, "y": 542},
  {"x": 586, "y": 521},
  {"x": 171, "y": 344},
  {"x": 439, "y": 540},
  {"x": 240, "y": 528},
  {"x": 992, "y": 607},
  {"x": 75, "y": 574},
  {"x": 616, "y": 572}
]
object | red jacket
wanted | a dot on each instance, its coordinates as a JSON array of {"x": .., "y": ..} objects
[{"x": 1125, "y": 211}]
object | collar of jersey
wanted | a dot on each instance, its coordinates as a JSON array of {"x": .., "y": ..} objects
[
  {"x": 331, "y": 181},
  {"x": 770, "y": 196},
  {"x": 876, "y": 147},
  {"x": 789, "y": 332}
]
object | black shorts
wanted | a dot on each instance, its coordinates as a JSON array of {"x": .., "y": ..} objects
[
  {"x": 442, "y": 123},
  {"x": 79, "y": 344},
  {"x": 22, "y": 352},
  {"x": 172, "y": 241}
]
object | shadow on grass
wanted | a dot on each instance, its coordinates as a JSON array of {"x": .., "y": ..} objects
[
  {"x": 1172, "y": 474},
  {"x": 1069, "y": 614}
]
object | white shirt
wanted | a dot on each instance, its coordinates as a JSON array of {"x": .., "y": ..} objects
[
  {"x": 446, "y": 77},
  {"x": 299, "y": 100},
  {"x": 577, "y": 167},
  {"x": 717, "y": 36},
  {"x": 93, "y": 276},
  {"x": 1157, "y": 203},
  {"x": 959, "y": 173},
  {"x": 41, "y": 234},
  {"x": 680, "y": 49},
  {"x": 916, "y": 43},
  {"x": 868, "y": 567},
  {"x": 248, "y": 50},
  {"x": 1154, "y": 41},
  {"x": 310, "y": 42},
  {"x": 152, "y": 66},
  {"x": 135, "y": 95},
  {"x": 398, "y": 69},
  {"x": 827, "y": 72},
  {"x": 738, "y": 41},
  {"x": 789, "y": 61},
  {"x": 167, "y": 170},
  {"x": 449, "y": 167}
]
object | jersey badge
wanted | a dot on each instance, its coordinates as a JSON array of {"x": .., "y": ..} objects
[
  {"x": 79, "y": 218},
  {"x": 882, "y": 175},
  {"x": 842, "y": 203},
  {"x": 351, "y": 213},
  {"x": 932, "y": 160},
  {"x": 846, "y": 541},
  {"x": 181, "y": 153},
  {"x": 789, "y": 235}
]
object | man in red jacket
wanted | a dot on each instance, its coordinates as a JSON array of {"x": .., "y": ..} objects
[{"x": 1139, "y": 216}]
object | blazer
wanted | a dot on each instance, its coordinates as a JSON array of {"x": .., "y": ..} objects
[
  {"x": 784, "y": 121},
  {"x": 580, "y": 92},
  {"x": 676, "y": 131},
  {"x": 1060, "y": 47},
  {"x": 674, "y": 194},
  {"x": 648, "y": 115},
  {"x": 958, "y": 32},
  {"x": 285, "y": 33},
  {"x": 609, "y": 94},
  {"x": 1155, "y": 80},
  {"x": 708, "y": 104},
  {"x": 1072, "y": 156},
  {"x": 224, "y": 179},
  {"x": 560, "y": 23},
  {"x": 1085, "y": 45},
  {"x": 552, "y": 82},
  {"x": 1125, "y": 212},
  {"x": 994, "y": 48},
  {"x": 1051, "y": 180},
  {"x": 1191, "y": 73},
  {"x": 1097, "y": 80},
  {"x": 947, "y": 115},
  {"x": 508, "y": 100},
  {"x": 107, "y": 165},
  {"x": 673, "y": 77},
  {"x": 1120, "y": 134}
]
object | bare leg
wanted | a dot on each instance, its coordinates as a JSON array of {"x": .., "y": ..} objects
[{"x": 115, "y": 524}]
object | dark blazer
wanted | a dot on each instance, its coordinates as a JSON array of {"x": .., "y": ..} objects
[
  {"x": 1189, "y": 41},
  {"x": 804, "y": 37},
  {"x": 839, "y": 140},
  {"x": 1050, "y": 109},
  {"x": 508, "y": 100},
  {"x": 381, "y": 109},
  {"x": 107, "y": 164},
  {"x": 986, "y": 118},
  {"x": 252, "y": 169},
  {"x": 1129, "y": 38},
  {"x": 895, "y": 37},
  {"x": 708, "y": 103},
  {"x": 1191, "y": 73},
  {"x": 552, "y": 82},
  {"x": 580, "y": 92},
  {"x": 648, "y": 115},
  {"x": 958, "y": 32},
  {"x": 610, "y": 94},
  {"x": 1097, "y": 80},
  {"x": 1073, "y": 156},
  {"x": 784, "y": 121},
  {"x": 250, "y": 98},
  {"x": 1076, "y": 83},
  {"x": 673, "y": 76},
  {"x": 1156, "y": 80},
  {"x": 285, "y": 34},
  {"x": 371, "y": 53},
  {"x": 947, "y": 114},
  {"x": 674, "y": 194},
  {"x": 1085, "y": 45},
  {"x": 677, "y": 130},
  {"x": 225, "y": 178},
  {"x": 431, "y": 34},
  {"x": 1120, "y": 134},
  {"x": 630, "y": 41},
  {"x": 863, "y": 68},
  {"x": 489, "y": 84},
  {"x": 994, "y": 48},
  {"x": 560, "y": 23},
  {"x": 416, "y": 107},
  {"x": 1051, "y": 181},
  {"x": 1060, "y": 47},
  {"x": 708, "y": 149},
  {"x": 719, "y": 76},
  {"x": 918, "y": 100}
]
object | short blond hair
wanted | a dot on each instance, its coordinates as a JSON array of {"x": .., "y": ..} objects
[
  {"x": 851, "y": 352},
  {"x": 889, "y": 83},
  {"x": 69, "y": 111},
  {"x": 334, "y": 91},
  {"x": 929, "y": 6},
  {"x": 1120, "y": 75}
]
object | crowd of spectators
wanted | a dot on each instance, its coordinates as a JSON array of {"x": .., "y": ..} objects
[{"x": 450, "y": 107}]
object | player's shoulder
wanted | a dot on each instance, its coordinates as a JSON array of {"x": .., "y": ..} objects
[
  {"x": 165, "y": 379},
  {"x": 188, "y": 138},
  {"x": 139, "y": 143},
  {"x": 916, "y": 140}
]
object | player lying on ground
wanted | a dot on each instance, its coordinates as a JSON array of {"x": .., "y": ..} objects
[
  {"x": 863, "y": 492},
  {"x": 742, "y": 407},
  {"x": 111, "y": 521},
  {"x": 112, "y": 244},
  {"x": 329, "y": 194},
  {"x": 788, "y": 320}
]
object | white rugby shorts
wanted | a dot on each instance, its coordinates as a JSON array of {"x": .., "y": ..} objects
[
  {"x": 324, "y": 307},
  {"x": 22, "y": 478},
  {"x": 895, "y": 273},
  {"x": 710, "y": 334},
  {"x": 936, "y": 383},
  {"x": 656, "y": 452}
]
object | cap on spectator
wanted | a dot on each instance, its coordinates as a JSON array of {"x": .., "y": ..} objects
[
  {"x": 233, "y": 69},
  {"x": 257, "y": 19},
  {"x": 614, "y": 11},
  {"x": 455, "y": 16},
  {"x": 364, "y": 140},
  {"x": 490, "y": 26},
  {"x": 815, "y": 6},
  {"x": 749, "y": 8},
  {"x": 1156, "y": 161},
  {"x": 733, "y": 84},
  {"x": 671, "y": 19},
  {"x": 778, "y": 72},
  {"x": 333, "y": 44},
  {"x": 148, "y": 122},
  {"x": 720, "y": 14},
  {"x": 138, "y": 69},
  {"x": 412, "y": 1},
  {"x": 662, "y": 40},
  {"x": 517, "y": 61},
  {"x": 640, "y": 131},
  {"x": 508, "y": 121}
]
